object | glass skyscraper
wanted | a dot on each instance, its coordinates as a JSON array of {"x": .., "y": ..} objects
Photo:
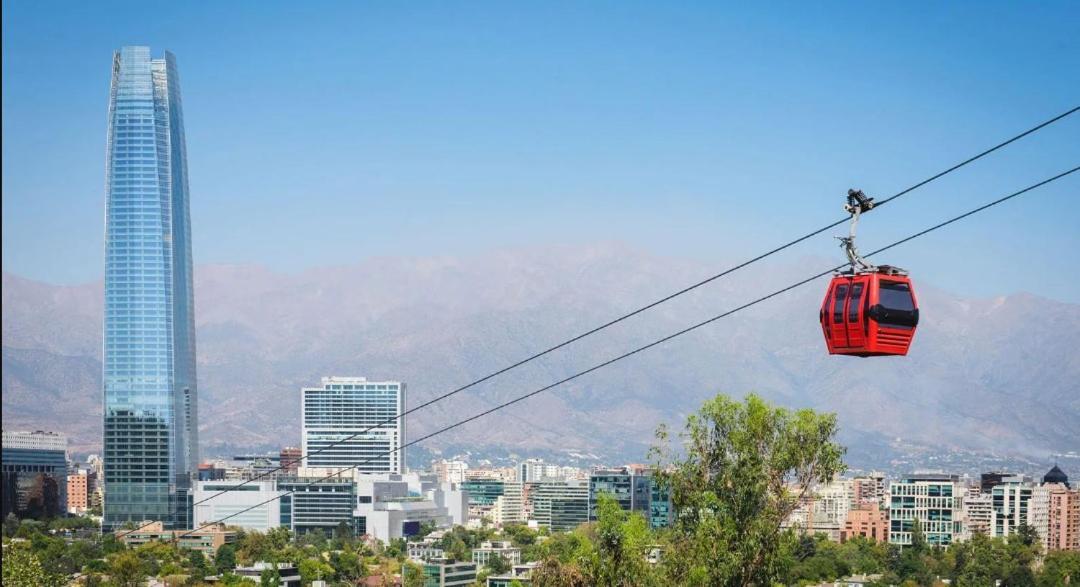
[{"x": 151, "y": 437}]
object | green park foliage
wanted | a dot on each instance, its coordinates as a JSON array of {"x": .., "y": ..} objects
[{"x": 730, "y": 484}]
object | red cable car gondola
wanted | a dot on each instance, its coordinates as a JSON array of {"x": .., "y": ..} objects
[{"x": 868, "y": 311}]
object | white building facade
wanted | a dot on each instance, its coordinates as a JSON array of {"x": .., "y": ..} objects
[{"x": 353, "y": 422}]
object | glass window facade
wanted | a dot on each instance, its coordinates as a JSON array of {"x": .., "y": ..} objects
[{"x": 150, "y": 440}]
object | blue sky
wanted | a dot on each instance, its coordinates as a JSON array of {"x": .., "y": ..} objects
[{"x": 324, "y": 133}]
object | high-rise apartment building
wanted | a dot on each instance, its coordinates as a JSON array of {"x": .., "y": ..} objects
[
  {"x": 509, "y": 508},
  {"x": 979, "y": 515},
  {"x": 935, "y": 500},
  {"x": 1010, "y": 499},
  {"x": 353, "y": 422},
  {"x": 78, "y": 496},
  {"x": 1054, "y": 512},
  {"x": 151, "y": 436}
]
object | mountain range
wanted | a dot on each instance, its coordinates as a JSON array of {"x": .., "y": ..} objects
[{"x": 994, "y": 375}]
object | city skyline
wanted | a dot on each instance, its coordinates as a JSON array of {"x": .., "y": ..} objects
[{"x": 151, "y": 443}]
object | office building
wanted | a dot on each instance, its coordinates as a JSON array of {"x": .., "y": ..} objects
[
  {"x": 558, "y": 505},
  {"x": 630, "y": 490},
  {"x": 150, "y": 420},
  {"x": 387, "y": 509},
  {"x": 230, "y": 501},
  {"x": 1010, "y": 500},
  {"x": 35, "y": 472},
  {"x": 353, "y": 422},
  {"x": 935, "y": 500},
  {"x": 312, "y": 503},
  {"x": 482, "y": 494},
  {"x": 206, "y": 540}
]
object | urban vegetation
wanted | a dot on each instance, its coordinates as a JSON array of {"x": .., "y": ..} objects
[{"x": 731, "y": 486}]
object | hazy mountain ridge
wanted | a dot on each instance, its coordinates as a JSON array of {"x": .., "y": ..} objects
[{"x": 983, "y": 374}]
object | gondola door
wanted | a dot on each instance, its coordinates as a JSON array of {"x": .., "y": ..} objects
[
  {"x": 837, "y": 319},
  {"x": 854, "y": 319}
]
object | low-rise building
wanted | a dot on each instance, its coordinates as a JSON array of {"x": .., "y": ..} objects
[
  {"x": 288, "y": 573},
  {"x": 489, "y": 550},
  {"x": 206, "y": 540},
  {"x": 521, "y": 574},
  {"x": 448, "y": 573}
]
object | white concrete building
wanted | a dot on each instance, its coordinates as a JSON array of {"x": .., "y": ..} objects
[
  {"x": 503, "y": 548},
  {"x": 450, "y": 471},
  {"x": 353, "y": 422},
  {"x": 224, "y": 498},
  {"x": 979, "y": 514},
  {"x": 509, "y": 508}
]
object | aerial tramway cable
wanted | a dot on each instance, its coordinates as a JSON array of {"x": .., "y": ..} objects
[
  {"x": 653, "y": 304},
  {"x": 339, "y": 472}
]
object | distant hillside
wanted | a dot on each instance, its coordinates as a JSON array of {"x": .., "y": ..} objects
[{"x": 995, "y": 374}]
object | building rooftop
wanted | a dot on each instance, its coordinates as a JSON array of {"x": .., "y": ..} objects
[{"x": 1056, "y": 475}]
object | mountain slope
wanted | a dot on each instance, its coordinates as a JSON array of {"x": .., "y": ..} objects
[{"x": 983, "y": 374}]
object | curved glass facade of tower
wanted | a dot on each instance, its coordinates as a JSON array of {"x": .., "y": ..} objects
[{"x": 151, "y": 436}]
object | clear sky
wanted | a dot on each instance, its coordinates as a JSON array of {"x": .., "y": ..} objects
[{"x": 322, "y": 133}]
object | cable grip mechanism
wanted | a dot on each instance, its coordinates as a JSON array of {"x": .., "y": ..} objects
[{"x": 857, "y": 203}]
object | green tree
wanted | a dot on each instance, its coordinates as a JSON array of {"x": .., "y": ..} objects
[
  {"x": 225, "y": 558},
  {"x": 127, "y": 569},
  {"x": 347, "y": 566},
  {"x": 730, "y": 491},
  {"x": 23, "y": 569},
  {"x": 412, "y": 575},
  {"x": 621, "y": 540},
  {"x": 498, "y": 565},
  {"x": 11, "y": 525},
  {"x": 313, "y": 569},
  {"x": 270, "y": 578},
  {"x": 1060, "y": 567}
]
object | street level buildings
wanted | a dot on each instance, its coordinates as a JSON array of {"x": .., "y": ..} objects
[
  {"x": 350, "y": 422},
  {"x": 150, "y": 416}
]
